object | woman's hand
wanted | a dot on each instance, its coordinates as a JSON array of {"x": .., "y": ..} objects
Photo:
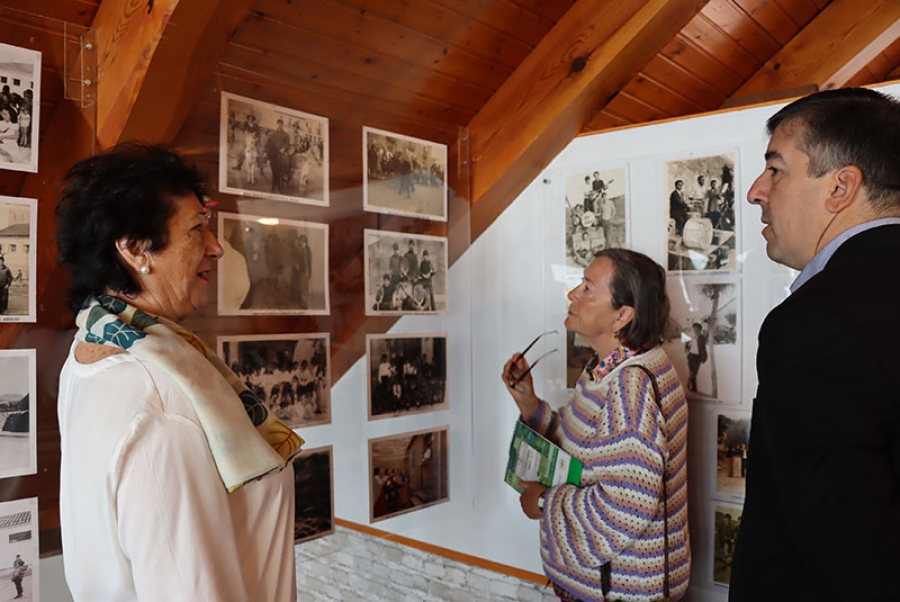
[
  {"x": 529, "y": 499},
  {"x": 521, "y": 388}
]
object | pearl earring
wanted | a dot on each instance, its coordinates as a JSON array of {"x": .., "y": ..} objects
[{"x": 145, "y": 269}]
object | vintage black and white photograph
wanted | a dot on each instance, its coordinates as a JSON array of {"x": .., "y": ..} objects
[
  {"x": 18, "y": 390},
  {"x": 405, "y": 273},
  {"x": 703, "y": 338},
  {"x": 313, "y": 494},
  {"x": 20, "y": 550},
  {"x": 702, "y": 227},
  {"x": 20, "y": 106},
  {"x": 596, "y": 209},
  {"x": 732, "y": 439},
  {"x": 727, "y": 523},
  {"x": 408, "y": 471},
  {"x": 18, "y": 235},
  {"x": 290, "y": 373},
  {"x": 272, "y": 266},
  {"x": 407, "y": 374},
  {"x": 272, "y": 152},
  {"x": 404, "y": 175}
]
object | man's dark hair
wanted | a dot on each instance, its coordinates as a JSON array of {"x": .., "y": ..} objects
[
  {"x": 639, "y": 282},
  {"x": 850, "y": 126},
  {"x": 124, "y": 192}
]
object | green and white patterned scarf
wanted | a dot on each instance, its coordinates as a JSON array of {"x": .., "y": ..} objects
[{"x": 246, "y": 440}]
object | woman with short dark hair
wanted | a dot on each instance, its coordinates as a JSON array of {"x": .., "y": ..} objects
[
  {"x": 621, "y": 533},
  {"x": 176, "y": 482}
]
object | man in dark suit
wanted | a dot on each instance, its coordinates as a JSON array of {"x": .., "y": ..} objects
[{"x": 821, "y": 518}]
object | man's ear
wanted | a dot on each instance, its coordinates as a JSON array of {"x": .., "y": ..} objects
[{"x": 846, "y": 183}]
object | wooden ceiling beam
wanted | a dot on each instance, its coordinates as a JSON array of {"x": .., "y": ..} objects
[
  {"x": 588, "y": 56},
  {"x": 834, "y": 47},
  {"x": 154, "y": 58}
]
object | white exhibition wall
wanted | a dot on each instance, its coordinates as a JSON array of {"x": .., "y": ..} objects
[{"x": 511, "y": 286}]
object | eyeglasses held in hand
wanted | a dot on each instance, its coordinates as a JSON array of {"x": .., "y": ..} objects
[{"x": 517, "y": 379}]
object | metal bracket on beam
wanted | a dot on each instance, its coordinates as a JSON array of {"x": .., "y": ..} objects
[{"x": 81, "y": 65}]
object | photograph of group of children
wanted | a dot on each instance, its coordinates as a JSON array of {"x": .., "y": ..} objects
[{"x": 289, "y": 373}]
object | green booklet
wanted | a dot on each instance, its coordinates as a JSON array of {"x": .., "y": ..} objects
[{"x": 533, "y": 457}]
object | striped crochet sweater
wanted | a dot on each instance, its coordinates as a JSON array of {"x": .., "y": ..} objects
[{"x": 616, "y": 515}]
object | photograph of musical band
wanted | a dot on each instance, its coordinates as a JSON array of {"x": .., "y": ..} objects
[
  {"x": 272, "y": 152},
  {"x": 405, "y": 273},
  {"x": 701, "y": 233},
  {"x": 407, "y": 374},
  {"x": 595, "y": 213}
]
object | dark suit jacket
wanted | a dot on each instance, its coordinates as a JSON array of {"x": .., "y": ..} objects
[{"x": 821, "y": 519}]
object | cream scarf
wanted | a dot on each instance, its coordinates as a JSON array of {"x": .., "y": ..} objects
[{"x": 246, "y": 441}]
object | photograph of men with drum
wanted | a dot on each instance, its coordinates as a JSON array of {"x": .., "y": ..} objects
[
  {"x": 702, "y": 213},
  {"x": 595, "y": 213}
]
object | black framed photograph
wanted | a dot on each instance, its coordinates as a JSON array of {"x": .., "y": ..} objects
[
  {"x": 272, "y": 266},
  {"x": 703, "y": 340},
  {"x": 20, "y": 107},
  {"x": 290, "y": 373},
  {"x": 18, "y": 394},
  {"x": 596, "y": 213},
  {"x": 407, "y": 374},
  {"x": 20, "y": 549},
  {"x": 732, "y": 441},
  {"x": 703, "y": 212},
  {"x": 313, "y": 494},
  {"x": 409, "y": 472},
  {"x": 272, "y": 152},
  {"x": 727, "y": 522},
  {"x": 18, "y": 237},
  {"x": 405, "y": 273},
  {"x": 404, "y": 175}
]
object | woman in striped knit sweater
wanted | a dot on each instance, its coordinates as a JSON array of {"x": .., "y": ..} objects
[{"x": 622, "y": 534}]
